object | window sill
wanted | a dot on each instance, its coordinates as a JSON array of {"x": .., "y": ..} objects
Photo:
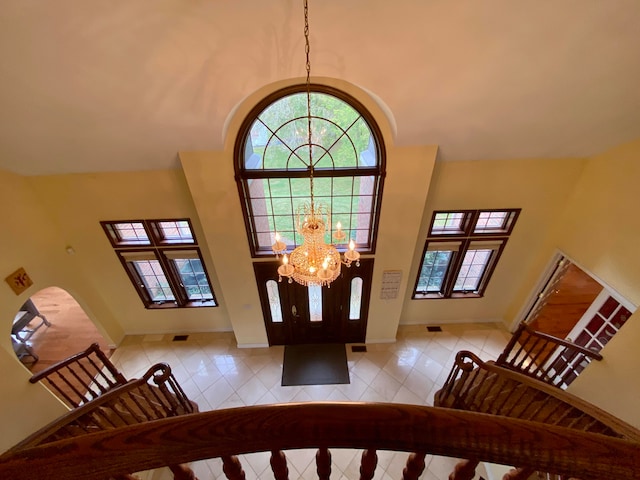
[
  {"x": 466, "y": 295},
  {"x": 172, "y": 305},
  {"x": 437, "y": 296},
  {"x": 427, "y": 296}
]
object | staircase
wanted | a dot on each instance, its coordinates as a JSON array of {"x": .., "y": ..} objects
[
  {"x": 544, "y": 357},
  {"x": 485, "y": 387},
  {"x": 101, "y": 398},
  {"x": 82, "y": 377},
  {"x": 527, "y": 382}
]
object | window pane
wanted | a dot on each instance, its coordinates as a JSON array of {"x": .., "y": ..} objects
[
  {"x": 473, "y": 267},
  {"x": 154, "y": 280},
  {"x": 608, "y": 307},
  {"x": 491, "y": 221},
  {"x": 448, "y": 222},
  {"x": 277, "y": 138},
  {"x": 132, "y": 233},
  {"x": 278, "y": 212},
  {"x": 177, "y": 232},
  {"x": 595, "y": 324},
  {"x": 315, "y": 303},
  {"x": 193, "y": 279},
  {"x": 355, "y": 299},
  {"x": 433, "y": 271},
  {"x": 620, "y": 317},
  {"x": 274, "y": 301}
]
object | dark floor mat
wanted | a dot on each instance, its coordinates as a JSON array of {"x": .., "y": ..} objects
[{"x": 316, "y": 364}]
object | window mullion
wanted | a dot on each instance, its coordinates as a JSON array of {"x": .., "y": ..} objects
[
  {"x": 173, "y": 277},
  {"x": 454, "y": 268}
]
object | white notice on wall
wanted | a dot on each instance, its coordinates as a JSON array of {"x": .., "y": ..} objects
[{"x": 390, "y": 284}]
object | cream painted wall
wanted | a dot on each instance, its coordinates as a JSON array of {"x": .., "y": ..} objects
[
  {"x": 211, "y": 181},
  {"x": 600, "y": 231},
  {"x": 77, "y": 203},
  {"x": 409, "y": 172},
  {"x": 31, "y": 241},
  {"x": 540, "y": 187},
  {"x": 601, "y": 227}
]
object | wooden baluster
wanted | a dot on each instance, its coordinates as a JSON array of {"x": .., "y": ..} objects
[
  {"x": 323, "y": 463},
  {"x": 182, "y": 472},
  {"x": 415, "y": 466},
  {"x": 464, "y": 470},
  {"x": 518, "y": 474},
  {"x": 279, "y": 465},
  {"x": 503, "y": 359},
  {"x": 232, "y": 468},
  {"x": 368, "y": 463}
]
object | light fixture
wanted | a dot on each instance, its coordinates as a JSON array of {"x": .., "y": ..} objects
[{"x": 314, "y": 262}]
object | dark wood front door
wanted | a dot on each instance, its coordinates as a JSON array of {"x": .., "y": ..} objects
[{"x": 294, "y": 313}]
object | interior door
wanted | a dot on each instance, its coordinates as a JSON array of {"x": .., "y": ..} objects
[{"x": 294, "y": 313}]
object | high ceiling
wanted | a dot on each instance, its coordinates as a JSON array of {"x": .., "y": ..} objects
[{"x": 109, "y": 85}]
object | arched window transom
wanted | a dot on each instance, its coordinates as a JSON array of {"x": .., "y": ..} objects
[{"x": 272, "y": 166}]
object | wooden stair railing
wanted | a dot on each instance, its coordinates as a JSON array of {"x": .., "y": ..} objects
[
  {"x": 323, "y": 426},
  {"x": 545, "y": 357},
  {"x": 81, "y": 377},
  {"x": 156, "y": 395},
  {"x": 484, "y": 387}
]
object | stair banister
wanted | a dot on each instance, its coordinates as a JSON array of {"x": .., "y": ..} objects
[
  {"x": 469, "y": 360},
  {"x": 160, "y": 373},
  {"x": 397, "y": 427}
]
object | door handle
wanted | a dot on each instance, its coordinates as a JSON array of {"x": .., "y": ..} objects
[{"x": 294, "y": 311}]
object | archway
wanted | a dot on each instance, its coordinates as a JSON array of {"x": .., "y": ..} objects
[{"x": 69, "y": 330}]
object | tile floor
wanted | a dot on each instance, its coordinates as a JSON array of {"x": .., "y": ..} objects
[{"x": 216, "y": 374}]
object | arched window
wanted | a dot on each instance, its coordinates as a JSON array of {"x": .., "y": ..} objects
[{"x": 272, "y": 166}]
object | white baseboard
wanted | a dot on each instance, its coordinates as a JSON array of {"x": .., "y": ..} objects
[
  {"x": 252, "y": 345},
  {"x": 381, "y": 340}
]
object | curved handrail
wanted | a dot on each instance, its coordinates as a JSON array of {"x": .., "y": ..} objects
[
  {"x": 160, "y": 374},
  {"x": 81, "y": 377},
  {"x": 523, "y": 327},
  {"x": 563, "y": 342},
  {"x": 94, "y": 348},
  {"x": 383, "y": 426},
  {"x": 539, "y": 354},
  {"x": 621, "y": 428}
]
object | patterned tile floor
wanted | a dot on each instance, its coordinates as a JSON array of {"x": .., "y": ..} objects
[{"x": 216, "y": 374}]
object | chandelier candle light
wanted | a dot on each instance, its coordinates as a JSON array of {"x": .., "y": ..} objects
[{"x": 314, "y": 262}]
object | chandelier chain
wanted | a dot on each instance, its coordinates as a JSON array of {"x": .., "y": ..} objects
[
  {"x": 314, "y": 262},
  {"x": 307, "y": 50}
]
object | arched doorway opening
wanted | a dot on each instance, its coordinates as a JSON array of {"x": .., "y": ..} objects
[{"x": 58, "y": 328}]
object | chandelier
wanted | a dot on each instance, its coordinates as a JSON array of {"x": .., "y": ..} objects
[{"x": 314, "y": 262}]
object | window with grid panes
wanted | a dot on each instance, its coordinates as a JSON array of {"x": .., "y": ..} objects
[
  {"x": 461, "y": 252},
  {"x": 163, "y": 261},
  {"x": 272, "y": 167}
]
